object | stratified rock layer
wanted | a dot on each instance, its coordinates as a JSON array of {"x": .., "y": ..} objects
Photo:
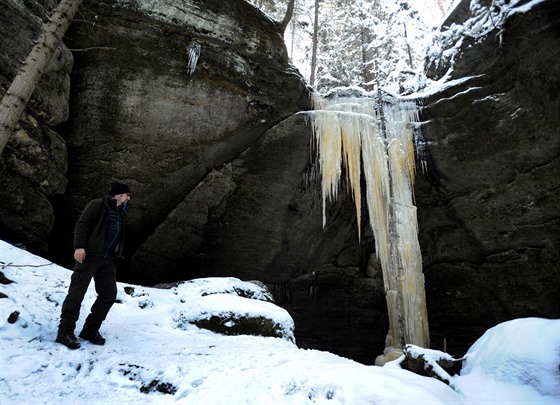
[{"x": 489, "y": 203}]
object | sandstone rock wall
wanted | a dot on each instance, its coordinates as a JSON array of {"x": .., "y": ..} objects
[
  {"x": 489, "y": 202},
  {"x": 139, "y": 116}
]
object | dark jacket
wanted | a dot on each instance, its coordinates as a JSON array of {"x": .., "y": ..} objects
[{"x": 90, "y": 230}]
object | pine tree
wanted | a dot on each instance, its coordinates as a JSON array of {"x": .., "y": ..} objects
[{"x": 355, "y": 44}]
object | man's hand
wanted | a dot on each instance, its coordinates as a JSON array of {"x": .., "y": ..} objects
[{"x": 80, "y": 255}]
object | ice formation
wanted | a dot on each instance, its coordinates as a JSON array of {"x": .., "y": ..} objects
[
  {"x": 360, "y": 133},
  {"x": 194, "y": 53}
]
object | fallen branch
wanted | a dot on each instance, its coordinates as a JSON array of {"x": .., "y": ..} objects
[
  {"x": 4, "y": 265},
  {"x": 431, "y": 363}
]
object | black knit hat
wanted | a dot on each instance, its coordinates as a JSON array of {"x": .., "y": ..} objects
[{"x": 118, "y": 188}]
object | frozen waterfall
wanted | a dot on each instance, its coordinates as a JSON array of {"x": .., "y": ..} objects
[{"x": 374, "y": 136}]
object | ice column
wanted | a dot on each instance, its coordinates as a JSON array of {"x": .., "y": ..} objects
[{"x": 359, "y": 133}]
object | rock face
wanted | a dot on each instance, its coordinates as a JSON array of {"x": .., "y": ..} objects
[
  {"x": 489, "y": 203},
  {"x": 160, "y": 126},
  {"x": 223, "y": 177}
]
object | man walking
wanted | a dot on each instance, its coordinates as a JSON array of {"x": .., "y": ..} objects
[{"x": 98, "y": 239}]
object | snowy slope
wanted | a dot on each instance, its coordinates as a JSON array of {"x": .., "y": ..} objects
[{"x": 152, "y": 356}]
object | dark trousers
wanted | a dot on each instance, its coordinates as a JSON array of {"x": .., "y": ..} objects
[{"x": 104, "y": 275}]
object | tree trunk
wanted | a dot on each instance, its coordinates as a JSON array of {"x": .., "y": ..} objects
[
  {"x": 315, "y": 43},
  {"x": 441, "y": 6},
  {"x": 410, "y": 61},
  {"x": 287, "y": 17},
  {"x": 368, "y": 58},
  {"x": 20, "y": 91}
]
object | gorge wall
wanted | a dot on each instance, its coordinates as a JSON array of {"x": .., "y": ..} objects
[
  {"x": 224, "y": 182},
  {"x": 489, "y": 205}
]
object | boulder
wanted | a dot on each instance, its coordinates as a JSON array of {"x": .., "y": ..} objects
[
  {"x": 230, "y": 306},
  {"x": 232, "y": 322}
]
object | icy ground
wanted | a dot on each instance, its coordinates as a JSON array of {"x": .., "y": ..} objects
[{"x": 152, "y": 356}]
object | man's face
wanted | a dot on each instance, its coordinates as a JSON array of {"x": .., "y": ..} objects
[{"x": 122, "y": 198}]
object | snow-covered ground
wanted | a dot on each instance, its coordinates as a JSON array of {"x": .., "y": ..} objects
[{"x": 153, "y": 356}]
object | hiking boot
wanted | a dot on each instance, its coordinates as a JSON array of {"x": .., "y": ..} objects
[
  {"x": 93, "y": 337},
  {"x": 68, "y": 340}
]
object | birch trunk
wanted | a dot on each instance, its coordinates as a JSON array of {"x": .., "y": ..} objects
[
  {"x": 315, "y": 43},
  {"x": 15, "y": 100}
]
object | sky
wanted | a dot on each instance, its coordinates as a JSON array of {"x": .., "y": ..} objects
[{"x": 153, "y": 355}]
